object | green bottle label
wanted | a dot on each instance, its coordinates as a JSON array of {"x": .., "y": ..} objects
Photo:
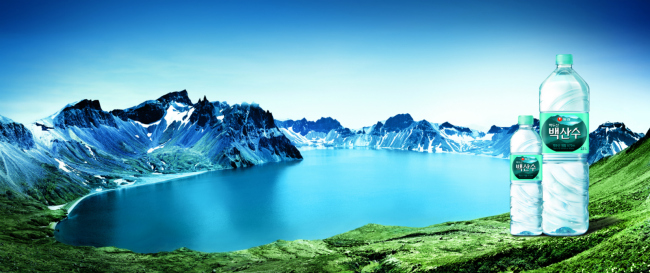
[
  {"x": 565, "y": 132},
  {"x": 525, "y": 167}
]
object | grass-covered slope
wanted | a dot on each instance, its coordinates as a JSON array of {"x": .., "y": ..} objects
[{"x": 618, "y": 240}]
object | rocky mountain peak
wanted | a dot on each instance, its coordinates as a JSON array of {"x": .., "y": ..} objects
[
  {"x": 202, "y": 102},
  {"x": 613, "y": 125},
  {"x": 205, "y": 113},
  {"x": 84, "y": 114},
  {"x": 376, "y": 130},
  {"x": 398, "y": 122},
  {"x": 304, "y": 126},
  {"x": 85, "y": 104},
  {"x": 146, "y": 113},
  {"x": 617, "y": 127},
  {"x": 327, "y": 123},
  {"x": 152, "y": 111},
  {"x": 424, "y": 125},
  {"x": 178, "y": 96},
  {"x": 610, "y": 138},
  {"x": 447, "y": 125},
  {"x": 496, "y": 129}
]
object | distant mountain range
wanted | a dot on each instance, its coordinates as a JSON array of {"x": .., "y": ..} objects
[
  {"x": 82, "y": 147},
  {"x": 403, "y": 133}
]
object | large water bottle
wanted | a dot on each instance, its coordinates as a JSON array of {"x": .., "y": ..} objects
[
  {"x": 525, "y": 180},
  {"x": 564, "y": 124}
]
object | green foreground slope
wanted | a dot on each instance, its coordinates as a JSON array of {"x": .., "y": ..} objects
[{"x": 618, "y": 240}]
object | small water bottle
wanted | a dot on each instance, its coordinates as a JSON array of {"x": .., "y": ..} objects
[{"x": 525, "y": 180}]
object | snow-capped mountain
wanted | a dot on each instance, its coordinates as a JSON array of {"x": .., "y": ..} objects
[
  {"x": 304, "y": 133},
  {"x": 93, "y": 148},
  {"x": 402, "y": 132},
  {"x": 609, "y": 139}
]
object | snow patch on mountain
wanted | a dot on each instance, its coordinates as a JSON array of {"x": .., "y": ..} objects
[
  {"x": 146, "y": 125},
  {"x": 156, "y": 148},
  {"x": 177, "y": 112},
  {"x": 90, "y": 150},
  {"x": 62, "y": 165}
]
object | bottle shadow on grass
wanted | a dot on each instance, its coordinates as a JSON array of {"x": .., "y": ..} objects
[
  {"x": 596, "y": 225},
  {"x": 602, "y": 222}
]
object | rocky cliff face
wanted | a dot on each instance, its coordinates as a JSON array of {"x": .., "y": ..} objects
[
  {"x": 95, "y": 149},
  {"x": 15, "y": 133},
  {"x": 398, "y": 123},
  {"x": 84, "y": 114}
]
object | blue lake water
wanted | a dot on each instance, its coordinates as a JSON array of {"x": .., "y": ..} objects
[{"x": 329, "y": 192}]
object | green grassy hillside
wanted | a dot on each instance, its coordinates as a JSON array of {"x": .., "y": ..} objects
[{"x": 618, "y": 240}]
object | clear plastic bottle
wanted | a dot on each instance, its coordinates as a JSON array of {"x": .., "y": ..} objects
[
  {"x": 564, "y": 124},
  {"x": 525, "y": 180}
]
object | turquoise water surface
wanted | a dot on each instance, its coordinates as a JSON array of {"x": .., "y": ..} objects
[{"x": 331, "y": 191}]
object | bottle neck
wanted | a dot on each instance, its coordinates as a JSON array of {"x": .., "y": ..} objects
[
  {"x": 564, "y": 66},
  {"x": 525, "y": 126}
]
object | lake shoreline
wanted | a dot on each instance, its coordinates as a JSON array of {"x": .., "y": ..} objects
[
  {"x": 308, "y": 148},
  {"x": 148, "y": 180}
]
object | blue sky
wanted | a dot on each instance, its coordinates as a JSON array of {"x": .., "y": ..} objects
[{"x": 470, "y": 63}]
